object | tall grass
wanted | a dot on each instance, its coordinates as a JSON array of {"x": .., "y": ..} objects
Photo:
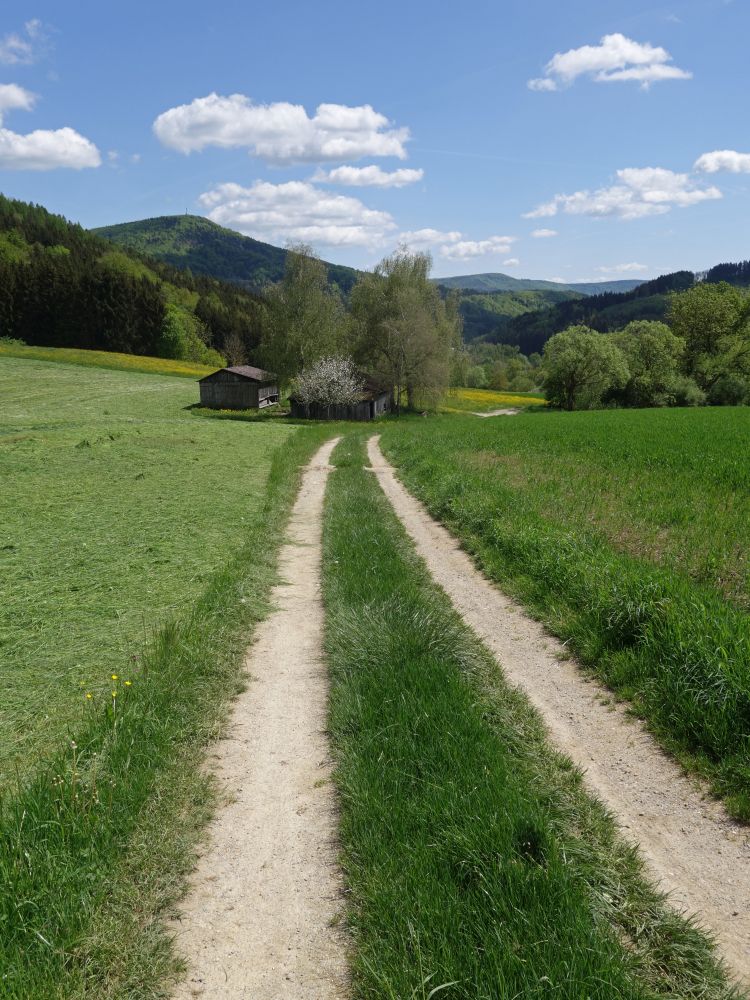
[
  {"x": 552, "y": 508},
  {"x": 477, "y": 867}
]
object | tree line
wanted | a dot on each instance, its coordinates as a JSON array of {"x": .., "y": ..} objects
[
  {"x": 397, "y": 327},
  {"x": 701, "y": 355},
  {"x": 61, "y": 286}
]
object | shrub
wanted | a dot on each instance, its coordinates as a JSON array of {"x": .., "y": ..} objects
[{"x": 332, "y": 381}]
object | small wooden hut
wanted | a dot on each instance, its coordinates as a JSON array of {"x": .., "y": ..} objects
[
  {"x": 241, "y": 387},
  {"x": 373, "y": 402}
]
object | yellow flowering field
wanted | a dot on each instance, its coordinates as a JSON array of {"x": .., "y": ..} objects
[
  {"x": 108, "y": 359},
  {"x": 460, "y": 400}
]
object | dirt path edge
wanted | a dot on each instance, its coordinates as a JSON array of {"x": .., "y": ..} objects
[
  {"x": 695, "y": 851},
  {"x": 262, "y": 918}
]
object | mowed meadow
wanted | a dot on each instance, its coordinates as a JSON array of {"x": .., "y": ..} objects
[
  {"x": 627, "y": 533},
  {"x": 138, "y": 548},
  {"x": 117, "y": 507}
]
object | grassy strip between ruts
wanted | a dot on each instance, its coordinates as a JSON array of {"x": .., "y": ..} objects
[
  {"x": 676, "y": 649},
  {"x": 477, "y": 865},
  {"x": 98, "y": 844}
]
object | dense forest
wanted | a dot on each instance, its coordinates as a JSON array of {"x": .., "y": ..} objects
[
  {"x": 62, "y": 286},
  {"x": 610, "y": 311},
  {"x": 486, "y": 315}
]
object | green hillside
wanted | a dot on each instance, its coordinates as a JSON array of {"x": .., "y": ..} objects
[
  {"x": 190, "y": 241},
  {"x": 609, "y": 311},
  {"x": 487, "y": 314},
  {"x": 64, "y": 287},
  {"x": 497, "y": 282}
]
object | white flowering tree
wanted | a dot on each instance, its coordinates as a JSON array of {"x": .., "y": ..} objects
[{"x": 331, "y": 381}]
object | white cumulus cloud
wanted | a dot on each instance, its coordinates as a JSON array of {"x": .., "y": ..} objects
[
  {"x": 47, "y": 150},
  {"x": 454, "y": 246},
  {"x": 466, "y": 249},
  {"x": 616, "y": 58},
  {"x": 371, "y": 176},
  {"x": 723, "y": 159},
  {"x": 544, "y": 234},
  {"x": 423, "y": 239},
  {"x": 639, "y": 192},
  {"x": 297, "y": 211},
  {"x": 43, "y": 149},
  {"x": 631, "y": 268},
  {"x": 280, "y": 132},
  {"x": 15, "y": 98},
  {"x": 511, "y": 262}
]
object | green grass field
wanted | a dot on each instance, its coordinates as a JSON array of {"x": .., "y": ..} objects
[
  {"x": 627, "y": 532},
  {"x": 118, "y": 507},
  {"x": 476, "y": 863},
  {"x": 142, "y": 542}
]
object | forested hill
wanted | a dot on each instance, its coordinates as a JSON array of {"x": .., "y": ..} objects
[
  {"x": 190, "y": 241},
  {"x": 61, "y": 286},
  {"x": 497, "y": 282},
  {"x": 610, "y": 311}
]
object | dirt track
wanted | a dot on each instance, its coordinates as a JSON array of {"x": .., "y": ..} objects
[
  {"x": 497, "y": 413},
  {"x": 259, "y": 922},
  {"x": 697, "y": 853}
]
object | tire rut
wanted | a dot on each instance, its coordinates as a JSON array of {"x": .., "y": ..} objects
[
  {"x": 696, "y": 852},
  {"x": 261, "y": 920}
]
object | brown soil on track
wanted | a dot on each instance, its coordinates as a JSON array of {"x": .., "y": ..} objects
[
  {"x": 260, "y": 922},
  {"x": 694, "y": 850}
]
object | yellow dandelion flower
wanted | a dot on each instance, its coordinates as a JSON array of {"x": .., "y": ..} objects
[
  {"x": 115, "y": 676},
  {"x": 114, "y": 694},
  {"x": 128, "y": 684},
  {"x": 89, "y": 695}
]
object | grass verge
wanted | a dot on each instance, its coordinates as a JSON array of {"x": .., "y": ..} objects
[
  {"x": 97, "y": 844},
  {"x": 553, "y": 508},
  {"x": 106, "y": 359},
  {"x": 477, "y": 865}
]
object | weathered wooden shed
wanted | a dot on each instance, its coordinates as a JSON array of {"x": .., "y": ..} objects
[
  {"x": 373, "y": 402},
  {"x": 241, "y": 387}
]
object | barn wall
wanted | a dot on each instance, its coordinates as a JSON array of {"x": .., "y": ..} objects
[
  {"x": 365, "y": 410},
  {"x": 229, "y": 395}
]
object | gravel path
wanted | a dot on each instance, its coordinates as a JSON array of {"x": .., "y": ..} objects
[
  {"x": 695, "y": 851},
  {"x": 260, "y": 920}
]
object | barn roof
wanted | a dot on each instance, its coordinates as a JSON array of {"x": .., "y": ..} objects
[{"x": 245, "y": 371}]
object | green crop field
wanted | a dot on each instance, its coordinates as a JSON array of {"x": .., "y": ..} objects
[{"x": 627, "y": 533}]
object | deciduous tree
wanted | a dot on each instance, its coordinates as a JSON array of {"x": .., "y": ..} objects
[
  {"x": 406, "y": 333},
  {"x": 580, "y": 365},
  {"x": 304, "y": 319}
]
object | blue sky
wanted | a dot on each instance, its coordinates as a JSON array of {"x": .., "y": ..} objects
[{"x": 577, "y": 141}]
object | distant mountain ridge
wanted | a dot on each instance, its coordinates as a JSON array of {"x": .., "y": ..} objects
[
  {"x": 197, "y": 243},
  {"x": 498, "y": 282}
]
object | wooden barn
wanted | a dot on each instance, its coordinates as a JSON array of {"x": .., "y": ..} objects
[
  {"x": 373, "y": 402},
  {"x": 241, "y": 387}
]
